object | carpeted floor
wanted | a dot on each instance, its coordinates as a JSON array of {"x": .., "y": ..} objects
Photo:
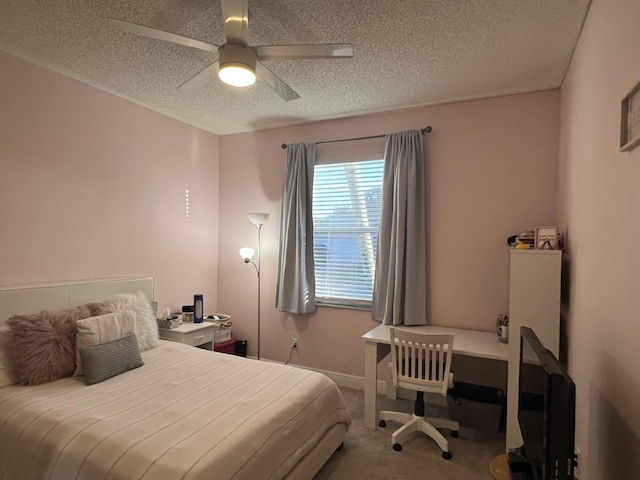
[{"x": 367, "y": 454}]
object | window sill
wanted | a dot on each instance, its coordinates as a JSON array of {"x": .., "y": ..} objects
[{"x": 343, "y": 305}]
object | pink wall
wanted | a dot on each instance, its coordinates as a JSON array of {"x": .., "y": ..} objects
[
  {"x": 94, "y": 186},
  {"x": 600, "y": 214},
  {"x": 492, "y": 172}
]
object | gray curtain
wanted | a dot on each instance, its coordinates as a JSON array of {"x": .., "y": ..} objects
[
  {"x": 400, "y": 287},
  {"x": 296, "y": 288}
]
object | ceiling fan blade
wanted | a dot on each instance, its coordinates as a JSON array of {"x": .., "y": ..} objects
[
  {"x": 235, "y": 14},
  {"x": 278, "y": 86},
  {"x": 201, "y": 78},
  {"x": 295, "y": 52},
  {"x": 160, "y": 34}
]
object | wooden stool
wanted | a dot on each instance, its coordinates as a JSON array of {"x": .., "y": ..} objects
[{"x": 499, "y": 468}]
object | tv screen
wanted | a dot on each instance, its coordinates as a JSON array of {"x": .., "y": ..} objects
[{"x": 546, "y": 411}]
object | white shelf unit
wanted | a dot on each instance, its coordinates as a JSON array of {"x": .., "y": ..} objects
[{"x": 534, "y": 301}]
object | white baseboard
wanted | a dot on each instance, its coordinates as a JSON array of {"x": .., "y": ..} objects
[
  {"x": 342, "y": 379},
  {"x": 357, "y": 383}
]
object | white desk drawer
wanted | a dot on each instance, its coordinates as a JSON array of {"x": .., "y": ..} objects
[
  {"x": 198, "y": 337},
  {"x": 189, "y": 334}
]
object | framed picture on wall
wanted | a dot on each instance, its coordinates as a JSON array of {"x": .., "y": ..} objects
[
  {"x": 630, "y": 120},
  {"x": 546, "y": 238}
]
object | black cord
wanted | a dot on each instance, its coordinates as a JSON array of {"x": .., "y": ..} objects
[{"x": 293, "y": 347}]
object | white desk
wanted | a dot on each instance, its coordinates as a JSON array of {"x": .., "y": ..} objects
[{"x": 377, "y": 346}]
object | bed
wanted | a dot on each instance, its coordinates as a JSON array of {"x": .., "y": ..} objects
[{"x": 186, "y": 413}]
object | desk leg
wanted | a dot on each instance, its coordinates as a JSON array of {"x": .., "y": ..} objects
[
  {"x": 370, "y": 384},
  {"x": 373, "y": 353}
]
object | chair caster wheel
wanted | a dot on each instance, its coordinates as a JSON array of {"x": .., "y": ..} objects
[
  {"x": 397, "y": 447},
  {"x": 455, "y": 434},
  {"x": 446, "y": 455},
  {"x": 382, "y": 423}
]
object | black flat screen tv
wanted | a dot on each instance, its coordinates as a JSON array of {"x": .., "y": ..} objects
[{"x": 546, "y": 412}]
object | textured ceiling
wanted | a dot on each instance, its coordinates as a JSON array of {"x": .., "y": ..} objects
[{"x": 407, "y": 53}]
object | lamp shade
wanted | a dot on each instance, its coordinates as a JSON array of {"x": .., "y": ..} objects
[
  {"x": 247, "y": 253},
  {"x": 259, "y": 218}
]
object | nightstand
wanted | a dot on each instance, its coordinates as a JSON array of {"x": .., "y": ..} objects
[{"x": 196, "y": 334}]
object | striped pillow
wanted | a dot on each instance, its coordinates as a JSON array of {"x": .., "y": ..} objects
[{"x": 107, "y": 360}]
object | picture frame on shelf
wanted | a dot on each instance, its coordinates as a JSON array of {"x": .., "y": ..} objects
[
  {"x": 546, "y": 238},
  {"x": 630, "y": 119}
]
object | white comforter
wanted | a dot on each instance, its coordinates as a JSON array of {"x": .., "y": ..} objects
[{"x": 187, "y": 414}]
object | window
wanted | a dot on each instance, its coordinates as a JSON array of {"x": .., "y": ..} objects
[{"x": 346, "y": 213}]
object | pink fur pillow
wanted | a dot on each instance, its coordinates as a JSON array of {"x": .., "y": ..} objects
[{"x": 45, "y": 344}]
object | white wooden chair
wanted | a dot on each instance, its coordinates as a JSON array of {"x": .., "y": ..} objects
[{"x": 421, "y": 362}]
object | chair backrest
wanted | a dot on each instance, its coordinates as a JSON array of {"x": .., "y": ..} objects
[{"x": 421, "y": 362}]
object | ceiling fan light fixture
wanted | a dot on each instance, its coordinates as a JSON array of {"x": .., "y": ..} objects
[
  {"x": 237, "y": 75},
  {"x": 237, "y": 65}
]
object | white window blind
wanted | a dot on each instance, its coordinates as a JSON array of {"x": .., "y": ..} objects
[{"x": 346, "y": 214}]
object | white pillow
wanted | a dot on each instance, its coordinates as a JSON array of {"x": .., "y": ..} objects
[
  {"x": 140, "y": 306},
  {"x": 102, "y": 329},
  {"x": 8, "y": 374}
]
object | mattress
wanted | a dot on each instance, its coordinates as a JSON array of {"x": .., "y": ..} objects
[{"x": 186, "y": 414}]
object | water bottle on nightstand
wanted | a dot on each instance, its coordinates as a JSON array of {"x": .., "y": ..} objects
[{"x": 198, "y": 309}]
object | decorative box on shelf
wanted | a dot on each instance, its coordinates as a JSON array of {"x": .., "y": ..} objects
[{"x": 221, "y": 327}]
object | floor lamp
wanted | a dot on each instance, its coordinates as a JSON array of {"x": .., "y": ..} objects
[{"x": 258, "y": 219}]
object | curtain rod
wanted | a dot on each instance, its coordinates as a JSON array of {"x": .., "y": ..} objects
[{"x": 424, "y": 130}]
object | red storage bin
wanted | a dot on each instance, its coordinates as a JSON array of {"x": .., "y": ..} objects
[{"x": 226, "y": 347}]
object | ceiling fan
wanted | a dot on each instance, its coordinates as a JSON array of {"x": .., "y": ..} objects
[{"x": 238, "y": 63}]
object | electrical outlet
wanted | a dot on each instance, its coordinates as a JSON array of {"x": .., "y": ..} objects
[
  {"x": 294, "y": 344},
  {"x": 576, "y": 468}
]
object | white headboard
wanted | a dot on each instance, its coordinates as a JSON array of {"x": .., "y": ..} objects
[{"x": 33, "y": 299}]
